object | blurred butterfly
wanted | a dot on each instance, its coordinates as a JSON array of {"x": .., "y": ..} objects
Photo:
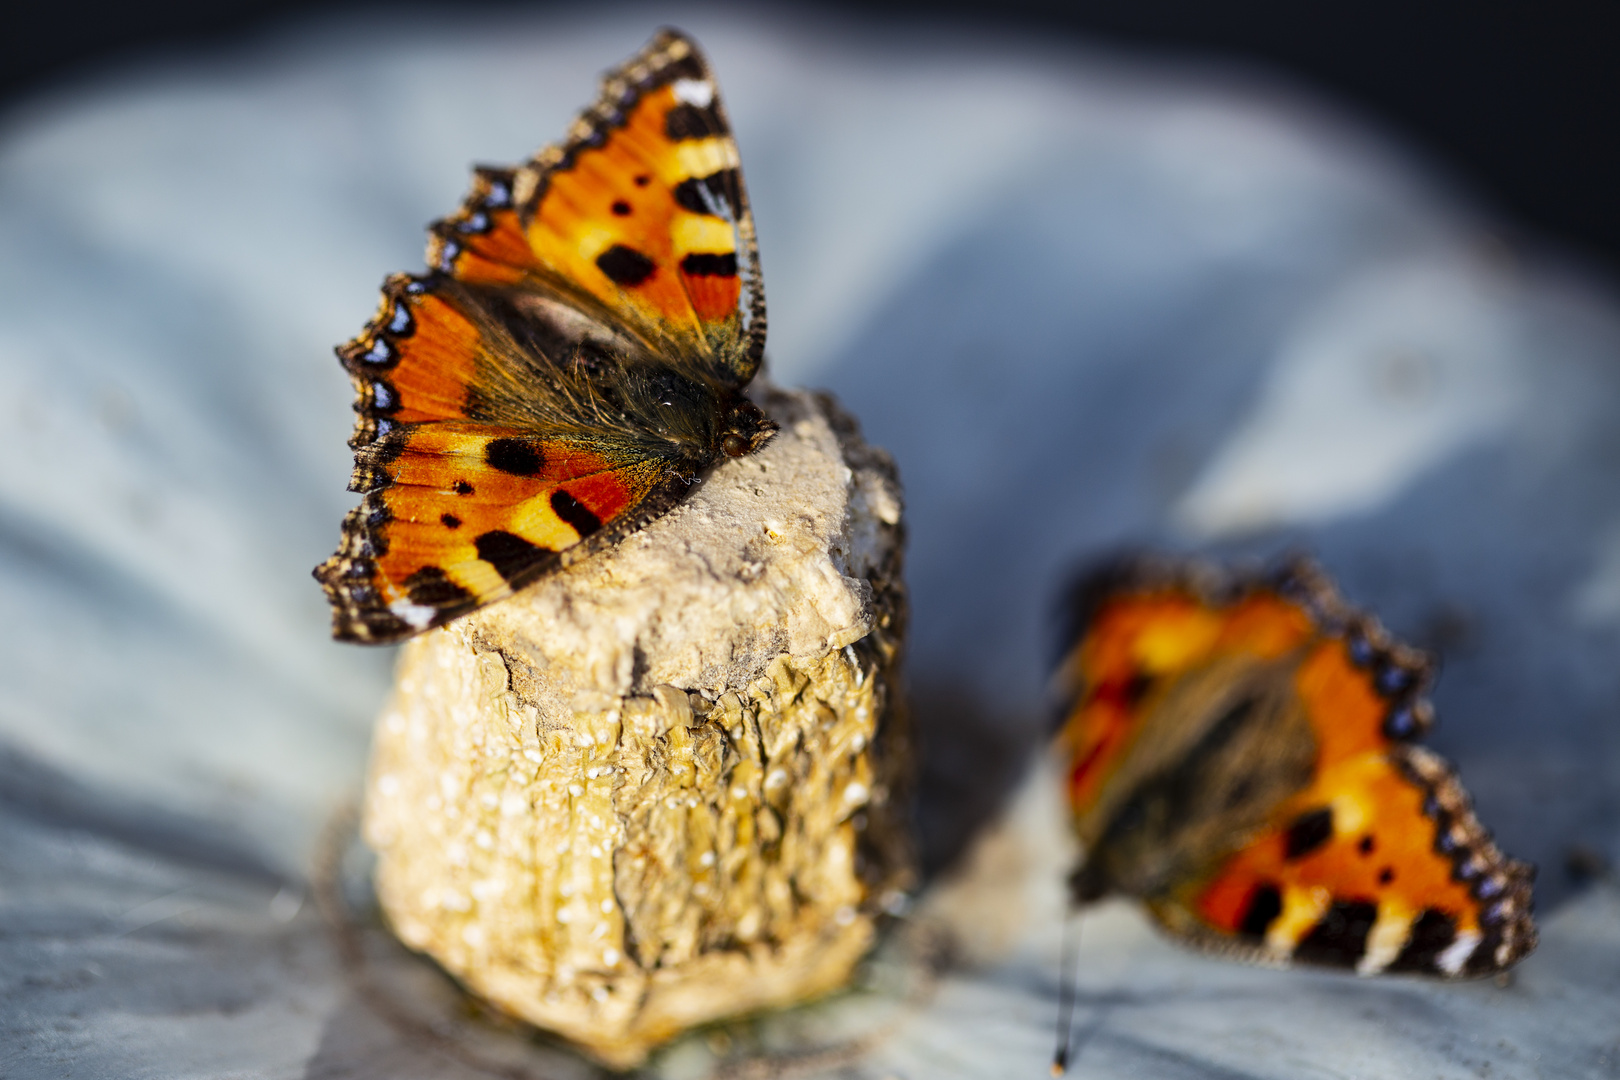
[
  {"x": 1242, "y": 759},
  {"x": 572, "y": 361}
]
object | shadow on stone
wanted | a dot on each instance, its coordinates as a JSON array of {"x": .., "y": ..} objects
[{"x": 970, "y": 759}]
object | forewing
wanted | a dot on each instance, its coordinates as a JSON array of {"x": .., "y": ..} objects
[
  {"x": 640, "y": 216},
  {"x": 1380, "y": 863}
]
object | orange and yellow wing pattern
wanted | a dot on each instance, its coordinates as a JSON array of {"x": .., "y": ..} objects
[
  {"x": 1142, "y": 638},
  {"x": 460, "y": 512},
  {"x": 640, "y": 217},
  {"x": 496, "y": 437},
  {"x": 1376, "y": 862}
]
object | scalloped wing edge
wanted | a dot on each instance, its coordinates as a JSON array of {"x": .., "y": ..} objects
[
  {"x": 1403, "y": 674},
  {"x": 668, "y": 53},
  {"x": 349, "y": 577}
]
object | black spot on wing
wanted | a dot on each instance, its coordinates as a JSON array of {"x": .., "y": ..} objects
[
  {"x": 1340, "y": 937},
  {"x": 1264, "y": 907},
  {"x": 513, "y": 557},
  {"x": 688, "y": 121},
  {"x": 625, "y": 265},
  {"x": 1431, "y": 934},
  {"x": 575, "y": 513},
  {"x": 1308, "y": 832},
  {"x": 621, "y": 208},
  {"x": 450, "y": 521},
  {"x": 1483, "y": 957},
  {"x": 707, "y": 265},
  {"x": 687, "y": 67},
  {"x": 716, "y": 194},
  {"x": 432, "y": 587},
  {"x": 461, "y": 487},
  {"x": 517, "y": 457}
]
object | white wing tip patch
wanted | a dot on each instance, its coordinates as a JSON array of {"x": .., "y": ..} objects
[
  {"x": 1456, "y": 954},
  {"x": 697, "y": 92},
  {"x": 1385, "y": 940},
  {"x": 417, "y": 616}
]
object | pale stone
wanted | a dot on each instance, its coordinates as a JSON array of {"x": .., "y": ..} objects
[{"x": 662, "y": 787}]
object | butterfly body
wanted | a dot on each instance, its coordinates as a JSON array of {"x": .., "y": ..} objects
[
  {"x": 1241, "y": 760},
  {"x": 575, "y": 358}
]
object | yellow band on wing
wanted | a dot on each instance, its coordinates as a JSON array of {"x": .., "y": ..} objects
[
  {"x": 704, "y": 157},
  {"x": 535, "y": 521},
  {"x": 1302, "y": 908},
  {"x": 700, "y": 232}
]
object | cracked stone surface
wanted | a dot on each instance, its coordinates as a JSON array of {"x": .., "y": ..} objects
[{"x": 665, "y": 786}]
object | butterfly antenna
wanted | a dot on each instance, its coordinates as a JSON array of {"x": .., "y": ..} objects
[{"x": 1068, "y": 962}]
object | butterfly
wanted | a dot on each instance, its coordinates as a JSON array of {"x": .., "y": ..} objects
[
  {"x": 573, "y": 360},
  {"x": 1242, "y": 758}
]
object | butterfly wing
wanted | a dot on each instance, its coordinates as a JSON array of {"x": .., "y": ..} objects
[
  {"x": 1370, "y": 857},
  {"x": 1379, "y": 863},
  {"x": 1139, "y": 628},
  {"x": 515, "y": 403},
  {"x": 459, "y": 512},
  {"x": 639, "y": 217},
  {"x": 469, "y": 514}
]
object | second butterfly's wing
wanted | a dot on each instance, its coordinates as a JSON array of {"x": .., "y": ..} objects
[
  {"x": 1241, "y": 761},
  {"x": 640, "y": 219},
  {"x": 1379, "y": 863},
  {"x": 1139, "y": 632},
  {"x": 1181, "y": 736}
]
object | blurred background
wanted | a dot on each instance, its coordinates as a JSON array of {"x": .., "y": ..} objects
[
  {"x": 1518, "y": 101},
  {"x": 1233, "y": 279}
]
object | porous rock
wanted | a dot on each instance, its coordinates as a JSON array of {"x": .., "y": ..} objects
[{"x": 665, "y": 786}]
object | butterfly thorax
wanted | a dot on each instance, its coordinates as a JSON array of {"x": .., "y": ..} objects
[
  {"x": 1177, "y": 804},
  {"x": 542, "y": 366}
]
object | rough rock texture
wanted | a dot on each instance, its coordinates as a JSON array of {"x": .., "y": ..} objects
[{"x": 662, "y": 788}]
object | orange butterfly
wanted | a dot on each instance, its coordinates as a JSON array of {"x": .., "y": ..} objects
[
  {"x": 571, "y": 363},
  {"x": 1242, "y": 759}
]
